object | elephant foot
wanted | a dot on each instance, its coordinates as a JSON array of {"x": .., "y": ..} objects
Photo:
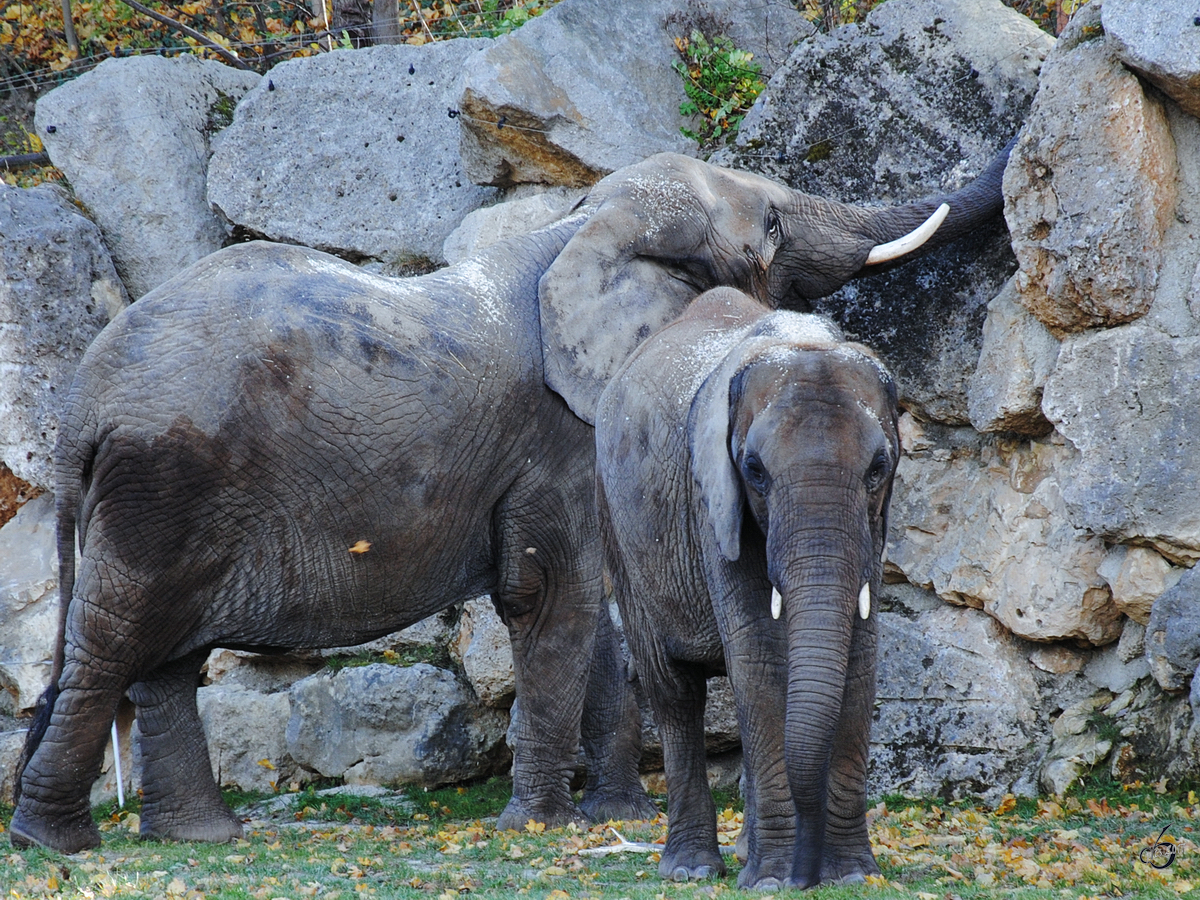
[
  {"x": 190, "y": 819},
  {"x": 219, "y": 830},
  {"x": 619, "y": 806},
  {"x": 70, "y": 836},
  {"x": 848, "y": 866},
  {"x": 518, "y": 813},
  {"x": 682, "y": 866},
  {"x": 764, "y": 875}
]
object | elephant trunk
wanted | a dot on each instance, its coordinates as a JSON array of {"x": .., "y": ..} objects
[
  {"x": 820, "y": 571},
  {"x": 969, "y": 208}
]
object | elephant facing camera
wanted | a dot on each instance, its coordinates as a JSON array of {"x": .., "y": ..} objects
[{"x": 744, "y": 468}]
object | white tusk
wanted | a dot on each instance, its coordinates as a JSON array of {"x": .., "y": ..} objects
[
  {"x": 117, "y": 765},
  {"x": 776, "y": 603},
  {"x": 882, "y": 253},
  {"x": 864, "y": 601}
]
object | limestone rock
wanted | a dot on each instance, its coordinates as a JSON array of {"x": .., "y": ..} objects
[
  {"x": 913, "y": 102},
  {"x": 483, "y": 648},
  {"x": 584, "y": 89},
  {"x": 1017, "y": 356},
  {"x": 491, "y": 224},
  {"x": 12, "y": 740},
  {"x": 28, "y": 604},
  {"x": 1137, "y": 575},
  {"x": 983, "y": 523},
  {"x": 1115, "y": 394},
  {"x": 1090, "y": 189},
  {"x": 58, "y": 288},
  {"x": 133, "y": 138},
  {"x": 1173, "y": 634},
  {"x": 1106, "y": 669},
  {"x": 246, "y": 732},
  {"x": 351, "y": 152},
  {"x": 382, "y": 724},
  {"x": 1160, "y": 40},
  {"x": 957, "y": 703}
]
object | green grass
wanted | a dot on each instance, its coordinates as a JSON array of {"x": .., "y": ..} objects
[{"x": 443, "y": 843}]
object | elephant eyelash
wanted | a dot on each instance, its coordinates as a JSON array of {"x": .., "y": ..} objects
[{"x": 877, "y": 473}]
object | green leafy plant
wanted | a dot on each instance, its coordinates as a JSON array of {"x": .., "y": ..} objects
[
  {"x": 495, "y": 19},
  {"x": 721, "y": 82}
]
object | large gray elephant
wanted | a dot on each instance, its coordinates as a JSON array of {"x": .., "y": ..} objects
[
  {"x": 275, "y": 449},
  {"x": 744, "y": 468}
]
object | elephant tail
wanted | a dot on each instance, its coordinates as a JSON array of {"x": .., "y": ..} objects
[{"x": 70, "y": 468}]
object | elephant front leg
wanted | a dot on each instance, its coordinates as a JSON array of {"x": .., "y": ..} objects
[
  {"x": 612, "y": 735},
  {"x": 180, "y": 798},
  {"x": 677, "y": 698},
  {"x": 755, "y": 658},
  {"x": 847, "y": 852}
]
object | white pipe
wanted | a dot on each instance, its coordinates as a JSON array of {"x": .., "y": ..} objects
[
  {"x": 882, "y": 253},
  {"x": 116, "y": 742}
]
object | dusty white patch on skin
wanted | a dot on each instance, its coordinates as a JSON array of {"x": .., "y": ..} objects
[
  {"x": 663, "y": 201},
  {"x": 801, "y": 328},
  {"x": 354, "y": 273},
  {"x": 483, "y": 283},
  {"x": 853, "y": 354},
  {"x": 865, "y": 407}
]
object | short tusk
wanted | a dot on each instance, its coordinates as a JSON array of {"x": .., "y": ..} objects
[
  {"x": 776, "y": 603},
  {"x": 882, "y": 253},
  {"x": 864, "y": 601}
]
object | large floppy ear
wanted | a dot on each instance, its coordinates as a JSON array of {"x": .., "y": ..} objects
[
  {"x": 633, "y": 267},
  {"x": 710, "y": 423}
]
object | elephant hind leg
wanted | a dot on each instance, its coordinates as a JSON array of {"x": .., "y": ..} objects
[
  {"x": 180, "y": 797},
  {"x": 54, "y": 808}
]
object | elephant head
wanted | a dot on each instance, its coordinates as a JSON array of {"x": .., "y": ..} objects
[
  {"x": 665, "y": 230},
  {"x": 799, "y": 435}
]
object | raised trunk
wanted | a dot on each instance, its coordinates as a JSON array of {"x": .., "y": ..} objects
[{"x": 970, "y": 207}]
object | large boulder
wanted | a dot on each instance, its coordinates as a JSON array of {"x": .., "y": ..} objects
[
  {"x": 913, "y": 102},
  {"x": 983, "y": 523},
  {"x": 133, "y": 138},
  {"x": 1160, "y": 40},
  {"x": 58, "y": 288},
  {"x": 482, "y": 646},
  {"x": 1173, "y": 634},
  {"x": 1091, "y": 187},
  {"x": 1017, "y": 356},
  {"x": 961, "y": 708},
  {"x": 352, "y": 152},
  {"x": 380, "y": 724},
  {"x": 584, "y": 89},
  {"x": 246, "y": 732},
  {"x": 28, "y": 604},
  {"x": 1115, "y": 395}
]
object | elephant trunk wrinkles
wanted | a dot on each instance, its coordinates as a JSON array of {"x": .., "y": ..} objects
[{"x": 819, "y": 568}]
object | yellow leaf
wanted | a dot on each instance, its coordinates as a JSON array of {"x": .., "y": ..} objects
[
  {"x": 267, "y": 764},
  {"x": 52, "y": 884},
  {"x": 1181, "y": 887},
  {"x": 534, "y": 827},
  {"x": 1006, "y": 805},
  {"x": 361, "y": 547}
]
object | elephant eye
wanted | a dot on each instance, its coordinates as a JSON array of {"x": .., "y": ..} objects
[
  {"x": 774, "y": 226},
  {"x": 877, "y": 474},
  {"x": 754, "y": 473}
]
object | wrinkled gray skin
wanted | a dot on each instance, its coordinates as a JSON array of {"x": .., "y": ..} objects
[
  {"x": 740, "y": 449},
  {"x": 231, "y": 435}
]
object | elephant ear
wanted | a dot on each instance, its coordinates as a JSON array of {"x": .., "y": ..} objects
[
  {"x": 633, "y": 267},
  {"x": 709, "y": 430}
]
